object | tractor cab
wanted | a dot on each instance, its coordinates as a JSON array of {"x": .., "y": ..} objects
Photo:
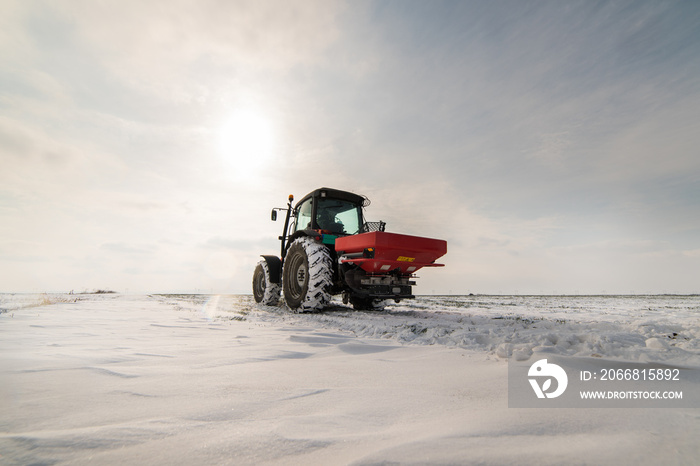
[
  {"x": 325, "y": 214},
  {"x": 329, "y": 212}
]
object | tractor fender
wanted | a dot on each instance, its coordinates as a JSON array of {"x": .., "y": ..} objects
[
  {"x": 274, "y": 265},
  {"x": 300, "y": 233},
  {"x": 296, "y": 235}
]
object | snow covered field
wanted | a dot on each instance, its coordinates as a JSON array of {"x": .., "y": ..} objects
[{"x": 107, "y": 379}]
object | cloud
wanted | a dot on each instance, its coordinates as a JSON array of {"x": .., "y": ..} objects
[
  {"x": 123, "y": 248},
  {"x": 145, "y": 43},
  {"x": 141, "y": 205},
  {"x": 22, "y": 145},
  {"x": 218, "y": 242},
  {"x": 540, "y": 141}
]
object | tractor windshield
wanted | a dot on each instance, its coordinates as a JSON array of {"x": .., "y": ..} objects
[{"x": 338, "y": 216}]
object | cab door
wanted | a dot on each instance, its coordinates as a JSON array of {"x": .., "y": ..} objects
[{"x": 304, "y": 215}]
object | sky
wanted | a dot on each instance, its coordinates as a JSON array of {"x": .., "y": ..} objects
[{"x": 554, "y": 145}]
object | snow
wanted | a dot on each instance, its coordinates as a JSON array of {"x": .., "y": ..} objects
[
  {"x": 618, "y": 327},
  {"x": 112, "y": 379}
]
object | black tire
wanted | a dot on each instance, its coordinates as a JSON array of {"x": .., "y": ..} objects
[
  {"x": 264, "y": 291},
  {"x": 307, "y": 275},
  {"x": 367, "y": 304}
]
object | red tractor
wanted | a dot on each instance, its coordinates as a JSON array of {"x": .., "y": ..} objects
[{"x": 329, "y": 249}]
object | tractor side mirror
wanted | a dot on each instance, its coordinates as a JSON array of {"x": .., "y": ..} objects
[{"x": 273, "y": 215}]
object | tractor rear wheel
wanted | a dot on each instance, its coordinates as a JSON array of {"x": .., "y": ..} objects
[
  {"x": 264, "y": 291},
  {"x": 307, "y": 275}
]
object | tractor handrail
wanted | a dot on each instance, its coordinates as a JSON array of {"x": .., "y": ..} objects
[
  {"x": 368, "y": 227},
  {"x": 286, "y": 225}
]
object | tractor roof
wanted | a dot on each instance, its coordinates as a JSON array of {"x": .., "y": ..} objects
[{"x": 336, "y": 194}]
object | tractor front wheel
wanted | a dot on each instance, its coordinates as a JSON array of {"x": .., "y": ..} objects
[
  {"x": 307, "y": 275},
  {"x": 264, "y": 291}
]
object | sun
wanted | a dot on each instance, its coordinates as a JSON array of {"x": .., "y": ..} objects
[{"x": 246, "y": 141}]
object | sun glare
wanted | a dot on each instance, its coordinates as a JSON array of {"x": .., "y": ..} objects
[{"x": 246, "y": 141}]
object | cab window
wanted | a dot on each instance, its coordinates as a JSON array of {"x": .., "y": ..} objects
[
  {"x": 304, "y": 215},
  {"x": 339, "y": 217}
]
